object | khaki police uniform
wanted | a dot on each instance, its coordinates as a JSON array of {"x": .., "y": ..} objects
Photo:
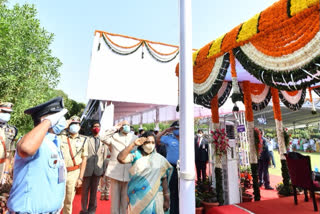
[
  {"x": 7, "y": 135},
  {"x": 73, "y": 150}
]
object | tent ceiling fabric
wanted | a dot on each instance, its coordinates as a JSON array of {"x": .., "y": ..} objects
[
  {"x": 291, "y": 118},
  {"x": 124, "y": 109},
  {"x": 278, "y": 47}
]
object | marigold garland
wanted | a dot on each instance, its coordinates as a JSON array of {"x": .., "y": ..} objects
[
  {"x": 215, "y": 46},
  {"x": 258, "y": 141},
  {"x": 233, "y": 65},
  {"x": 294, "y": 106},
  {"x": 205, "y": 99},
  {"x": 297, "y": 6},
  {"x": 276, "y": 104},
  {"x": 272, "y": 78},
  {"x": 289, "y": 36},
  {"x": 292, "y": 93},
  {"x": 263, "y": 104},
  {"x": 247, "y": 101},
  {"x": 157, "y": 52},
  {"x": 249, "y": 28},
  {"x": 215, "y": 109},
  {"x": 273, "y": 33},
  {"x": 263, "y": 93},
  {"x": 256, "y": 88},
  {"x": 120, "y": 46}
]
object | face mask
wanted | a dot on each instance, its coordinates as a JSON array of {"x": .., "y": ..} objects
[
  {"x": 176, "y": 132},
  {"x": 74, "y": 128},
  {"x": 199, "y": 135},
  {"x": 126, "y": 129},
  {"x": 5, "y": 117},
  {"x": 60, "y": 126},
  {"x": 96, "y": 130},
  {"x": 148, "y": 148}
]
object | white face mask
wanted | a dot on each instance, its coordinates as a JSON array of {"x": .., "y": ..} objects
[
  {"x": 4, "y": 117},
  {"x": 148, "y": 148},
  {"x": 74, "y": 128}
]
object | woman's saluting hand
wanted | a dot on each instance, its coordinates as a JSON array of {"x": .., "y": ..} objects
[{"x": 140, "y": 141}]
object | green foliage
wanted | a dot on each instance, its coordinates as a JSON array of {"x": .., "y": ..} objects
[
  {"x": 219, "y": 185},
  {"x": 255, "y": 182},
  {"x": 29, "y": 71},
  {"x": 286, "y": 138},
  {"x": 270, "y": 133},
  {"x": 205, "y": 192},
  {"x": 286, "y": 189},
  {"x": 151, "y": 126}
]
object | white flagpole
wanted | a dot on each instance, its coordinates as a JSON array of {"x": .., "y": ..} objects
[{"x": 187, "y": 169}]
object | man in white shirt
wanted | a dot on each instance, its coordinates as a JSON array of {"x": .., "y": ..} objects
[
  {"x": 118, "y": 138},
  {"x": 270, "y": 148}
]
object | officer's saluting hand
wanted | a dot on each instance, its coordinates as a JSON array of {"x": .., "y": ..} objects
[{"x": 39, "y": 169}]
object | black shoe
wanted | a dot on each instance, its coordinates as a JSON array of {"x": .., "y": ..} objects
[
  {"x": 269, "y": 188},
  {"x": 260, "y": 184}
]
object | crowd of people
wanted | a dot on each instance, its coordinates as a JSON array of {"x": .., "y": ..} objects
[
  {"x": 49, "y": 164},
  {"x": 138, "y": 170}
]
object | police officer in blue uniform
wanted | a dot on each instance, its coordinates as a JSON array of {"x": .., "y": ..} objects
[
  {"x": 170, "y": 138},
  {"x": 39, "y": 170}
]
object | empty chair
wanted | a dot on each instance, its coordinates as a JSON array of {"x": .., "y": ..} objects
[{"x": 301, "y": 176}]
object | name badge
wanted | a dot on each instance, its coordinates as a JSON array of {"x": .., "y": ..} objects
[{"x": 62, "y": 172}]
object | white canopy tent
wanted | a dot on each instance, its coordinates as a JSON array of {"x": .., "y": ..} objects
[
  {"x": 133, "y": 74},
  {"x": 137, "y": 77}
]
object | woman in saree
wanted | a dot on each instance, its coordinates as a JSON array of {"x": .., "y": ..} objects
[{"x": 150, "y": 173}]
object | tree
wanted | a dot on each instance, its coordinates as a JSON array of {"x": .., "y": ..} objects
[{"x": 29, "y": 72}]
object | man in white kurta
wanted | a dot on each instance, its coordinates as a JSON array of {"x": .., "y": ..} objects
[{"x": 118, "y": 138}]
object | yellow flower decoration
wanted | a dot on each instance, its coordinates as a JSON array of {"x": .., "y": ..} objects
[
  {"x": 249, "y": 29},
  {"x": 216, "y": 46},
  {"x": 194, "y": 56},
  {"x": 299, "y": 5}
]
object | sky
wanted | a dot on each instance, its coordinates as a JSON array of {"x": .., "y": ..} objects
[{"x": 74, "y": 22}]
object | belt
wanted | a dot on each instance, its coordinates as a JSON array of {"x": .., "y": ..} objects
[{"x": 72, "y": 168}]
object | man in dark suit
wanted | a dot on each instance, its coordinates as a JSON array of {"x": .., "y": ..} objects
[
  {"x": 263, "y": 164},
  {"x": 94, "y": 170},
  {"x": 201, "y": 155}
]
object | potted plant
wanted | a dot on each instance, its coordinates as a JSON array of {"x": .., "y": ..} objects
[
  {"x": 207, "y": 195},
  {"x": 199, "y": 207},
  {"x": 283, "y": 192},
  {"x": 246, "y": 183}
]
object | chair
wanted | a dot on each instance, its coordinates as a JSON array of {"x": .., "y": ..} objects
[{"x": 301, "y": 176}]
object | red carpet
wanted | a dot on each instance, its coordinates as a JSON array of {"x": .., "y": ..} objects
[
  {"x": 103, "y": 207},
  {"x": 275, "y": 206},
  {"x": 269, "y": 194},
  {"x": 229, "y": 209}
]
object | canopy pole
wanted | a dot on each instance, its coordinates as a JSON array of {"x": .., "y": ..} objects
[{"x": 187, "y": 171}]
